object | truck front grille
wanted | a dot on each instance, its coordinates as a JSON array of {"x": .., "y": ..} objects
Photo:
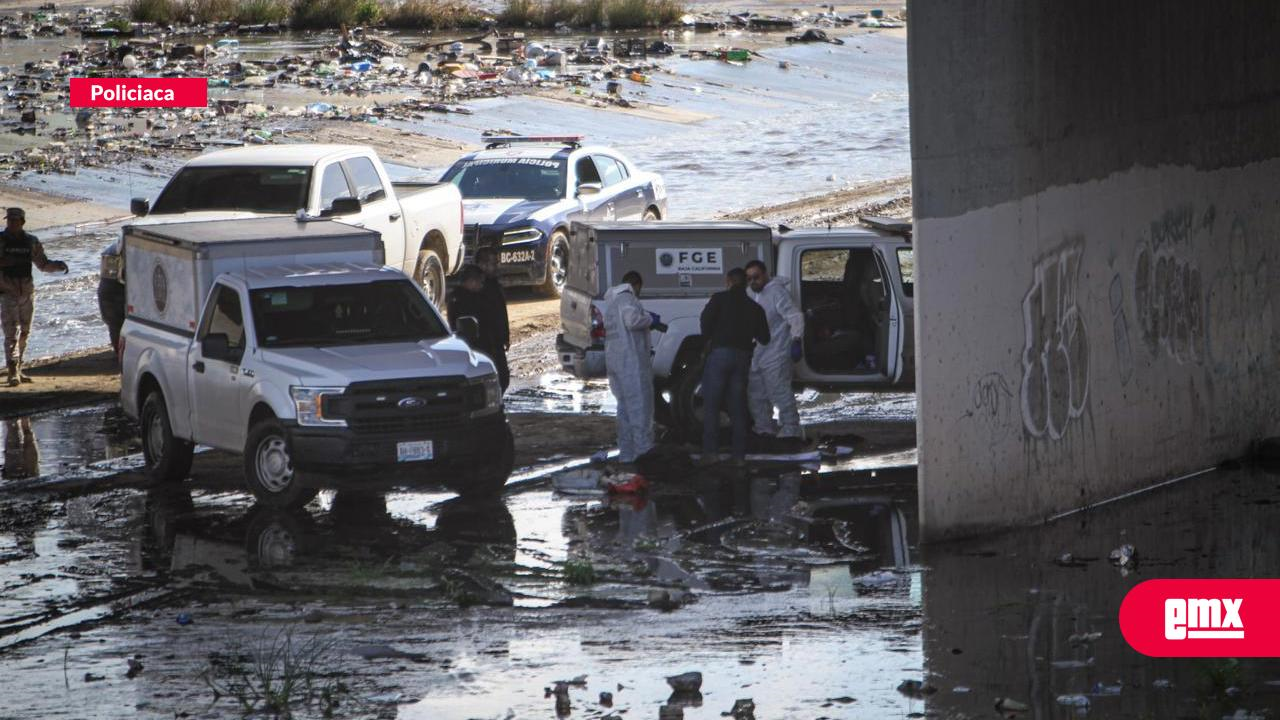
[{"x": 406, "y": 405}]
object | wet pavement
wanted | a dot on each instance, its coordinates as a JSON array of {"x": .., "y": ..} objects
[{"x": 803, "y": 590}]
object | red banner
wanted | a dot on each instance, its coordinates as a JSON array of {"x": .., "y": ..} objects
[
  {"x": 139, "y": 92},
  {"x": 1203, "y": 618}
]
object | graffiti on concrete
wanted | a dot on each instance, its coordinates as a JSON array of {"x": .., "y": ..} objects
[
  {"x": 1167, "y": 290},
  {"x": 1239, "y": 309},
  {"x": 1055, "y": 359},
  {"x": 991, "y": 395},
  {"x": 1120, "y": 330}
]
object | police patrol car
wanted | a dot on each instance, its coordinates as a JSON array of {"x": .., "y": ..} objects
[{"x": 521, "y": 192}]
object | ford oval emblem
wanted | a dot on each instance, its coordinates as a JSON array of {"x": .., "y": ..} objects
[{"x": 411, "y": 402}]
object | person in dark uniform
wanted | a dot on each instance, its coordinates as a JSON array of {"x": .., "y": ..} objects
[
  {"x": 19, "y": 252},
  {"x": 487, "y": 259},
  {"x": 469, "y": 299},
  {"x": 733, "y": 325}
]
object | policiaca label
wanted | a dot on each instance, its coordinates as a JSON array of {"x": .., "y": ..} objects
[{"x": 696, "y": 261}]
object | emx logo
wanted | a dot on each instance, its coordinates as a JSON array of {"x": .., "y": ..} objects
[{"x": 1203, "y": 618}]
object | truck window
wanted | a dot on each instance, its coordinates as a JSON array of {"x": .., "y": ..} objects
[
  {"x": 224, "y": 317},
  {"x": 587, "y": 172},
  {"x": 907, "y": 269},
  {"x": 367, "y": 181},
  {"x": 270, "y": 189},
  {"x": 333, "y": 185},
  {"x": 611, "y": 171},
  {"x": 385, "y": 311}
]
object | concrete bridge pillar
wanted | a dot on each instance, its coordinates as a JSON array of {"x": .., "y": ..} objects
[{"x": 1097, "y": 198}]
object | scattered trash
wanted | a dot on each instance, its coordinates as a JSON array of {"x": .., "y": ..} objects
[
  {"x": 90, "y": 677},
  {"x": 689, "y": 682},
  {"x": 814, "y": 35},
  {"x": 1084, "y": 638},
  {"x": 1076, "y": 701},
  {"x": 743, "y": 709},
  {"x": 606, "y": 699},
  {"x": 1161, "y": 684},
  {"x": 960, "y": 690},
  {"x": 1100, "y": 689},
  {"x": 628, "y": 485},
  {"x": 1010, "y": 705},
  {"x": 561, "y": 693},
  {"x": 582, "y": 481},
  {"x": 668, "y": 600},
  {"x": 1125, "y": 558},
  {"x": 916, "y": 688},
  {"x": 184, "y": 618},
  {"x": 135, "y": 668}
]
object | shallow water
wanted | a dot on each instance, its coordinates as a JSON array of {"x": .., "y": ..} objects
[{"x": 836, "y": 117}]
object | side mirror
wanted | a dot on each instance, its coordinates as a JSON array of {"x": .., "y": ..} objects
[
  {"x": 469, "y": 329},
  {"x": 215, "y": 346},
  {"x": 343, "y": 206},
  {"x": 589, "y": 189},
  {"x": 140, "y": 206}
]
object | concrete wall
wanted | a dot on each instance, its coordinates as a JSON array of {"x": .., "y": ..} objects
[{"x": 1096, "y": 202}]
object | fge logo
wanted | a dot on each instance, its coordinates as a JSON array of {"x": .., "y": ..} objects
[{"x": 1203, "y": 619}]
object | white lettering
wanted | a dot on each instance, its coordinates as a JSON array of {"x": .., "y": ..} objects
[
  {"x": 1203, "y": 619},
  {"x": 1175, "y": 619}
]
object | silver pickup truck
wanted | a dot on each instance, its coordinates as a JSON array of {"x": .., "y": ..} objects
[{"x": 854, "y": 284}]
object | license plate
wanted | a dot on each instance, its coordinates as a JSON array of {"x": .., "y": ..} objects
[
  {"x": 517, "y": 256},
  {"x": 415, "y": 450}
]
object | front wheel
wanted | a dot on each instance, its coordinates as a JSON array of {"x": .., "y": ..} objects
[
  {"x": 557, "y": 264},
  {"x": 268, "y": 467},
  {"x": 429, "y": 275},
  {"x": 166, "y": 457}
]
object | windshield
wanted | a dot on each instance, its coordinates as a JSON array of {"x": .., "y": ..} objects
[
  {"x": 386, "y": 311},
  {"x": 528, "y": 178},
  {"x": 248, "y": 189}
]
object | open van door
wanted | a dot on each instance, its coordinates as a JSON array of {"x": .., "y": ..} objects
[{"x": 854, "y": 329}]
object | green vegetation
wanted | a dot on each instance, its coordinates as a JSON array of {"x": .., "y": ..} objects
[
  {"x": 615, "y": 14},
  {"x": 277, "y": 675},
  {"x": 258, "y": 12},
  {"x": 579, "y": 571},
  {"x": 432, "y": 15}
]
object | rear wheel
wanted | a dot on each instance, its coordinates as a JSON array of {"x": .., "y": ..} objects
[
  {"x": 686, "y": 402},
  {"x": 430, "y": 276},
  {"x": 268, "y": 467},
  {"x": 557, "y": 264},
  {"x": 167, "y": 458}
]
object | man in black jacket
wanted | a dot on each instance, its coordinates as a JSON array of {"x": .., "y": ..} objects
[
  {"x": 732, "y": 325},
  {"x": 469, "y": 299},
  {"x": 487, "y": 259}
]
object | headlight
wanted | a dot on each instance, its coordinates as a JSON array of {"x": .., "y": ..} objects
[
  {"x": 309, "y": 402},
  {"x": 490, "y": 389},
  {"x": 521, "y": 235}
]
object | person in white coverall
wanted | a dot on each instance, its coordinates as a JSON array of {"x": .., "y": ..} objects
[
  {"x": 630, "y": 365},
  {"x": 769, "y": 384}
]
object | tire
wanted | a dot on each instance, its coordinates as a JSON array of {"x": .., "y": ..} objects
[
  {"x": 487, "y": 480},
  {"x": 650, "y": 215},
  {"x": 276, "y": 539},
  {"x": 686, "y": 403},
  {"x": 429, "y": 275},
  {"x": 557, "y": 265},
  {"x": 167, "y": 458},
  {"x": 268, "y": 468}
]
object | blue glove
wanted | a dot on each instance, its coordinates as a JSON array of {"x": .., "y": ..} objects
[
  {"x": 655, "y": 318},
  {"x": 797, "y": 351}
]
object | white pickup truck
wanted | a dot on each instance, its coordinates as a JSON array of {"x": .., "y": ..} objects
[
  {"x": 854, "y": 284},
  {"x": 291, "y": 342},
  {"x": 420, "y": 222}
]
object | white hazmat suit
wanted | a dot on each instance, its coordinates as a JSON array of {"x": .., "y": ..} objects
[
  {"x": 769, "y": 384},
  {"x": 630, "y": 365}
]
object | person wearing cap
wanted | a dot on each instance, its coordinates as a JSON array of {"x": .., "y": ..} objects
[{"x": 19, "y": 251}]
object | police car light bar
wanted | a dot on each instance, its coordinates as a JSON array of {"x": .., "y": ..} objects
[{"x": 497, "y": 140}]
